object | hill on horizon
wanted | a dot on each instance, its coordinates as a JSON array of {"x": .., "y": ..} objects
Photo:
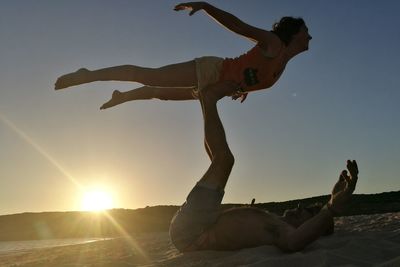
[{"x": 80, "y": 224}]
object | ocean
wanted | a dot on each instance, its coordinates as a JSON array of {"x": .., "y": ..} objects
[{"x": 7, "y": 247}]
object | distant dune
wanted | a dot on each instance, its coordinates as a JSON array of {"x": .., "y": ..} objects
[{"x": 117, "y": 222}]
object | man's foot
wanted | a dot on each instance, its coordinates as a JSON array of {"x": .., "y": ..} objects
[
  {"x": 116, "y": 99},
  {"x": 213, "y": 92},
  {"x": 216, "y": 91},
  {"x": 75, "y": 78},
  {"x": 207, "y": 96}
]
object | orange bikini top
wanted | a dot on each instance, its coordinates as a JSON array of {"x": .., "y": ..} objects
[{"x": 254, "y": 70}]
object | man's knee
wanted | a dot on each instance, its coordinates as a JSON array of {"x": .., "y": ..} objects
[
  {"x": 226, "y": 158},
  {"x": 230, "y": 159}
]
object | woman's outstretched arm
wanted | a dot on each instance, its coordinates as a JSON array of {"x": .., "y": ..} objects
[{"x": 232, "y": 23}]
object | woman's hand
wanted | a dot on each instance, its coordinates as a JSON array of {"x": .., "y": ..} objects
[{"x": 192, "y": 6}]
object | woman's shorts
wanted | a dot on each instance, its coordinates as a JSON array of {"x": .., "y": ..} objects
[
  {"x": 200, "y": 211},
  {"x": 207, "y": 70}
]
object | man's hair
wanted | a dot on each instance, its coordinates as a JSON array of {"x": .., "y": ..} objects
[
  {"x": 287, "y": 27},
  {"x": 314, "y": 209}
]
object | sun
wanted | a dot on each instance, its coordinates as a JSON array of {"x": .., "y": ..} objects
[{"x": 96, "y": 200}]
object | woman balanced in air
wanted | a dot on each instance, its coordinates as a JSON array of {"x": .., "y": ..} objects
[{"x": 257, "y": 69}]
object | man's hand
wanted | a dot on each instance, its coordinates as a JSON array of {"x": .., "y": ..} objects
[
  {"x": 192, "y": 6},
  {"x": 344, "y": 188}
]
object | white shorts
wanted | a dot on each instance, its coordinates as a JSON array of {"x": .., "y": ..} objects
[{"x": 207, "y": 71}]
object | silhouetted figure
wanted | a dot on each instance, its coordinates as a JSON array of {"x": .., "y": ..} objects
[
  {"x": 257, "y": 69},
  {"x": 200, "y": 225}
]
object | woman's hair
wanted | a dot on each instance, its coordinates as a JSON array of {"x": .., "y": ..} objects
[{"x": 287, "y": 27}]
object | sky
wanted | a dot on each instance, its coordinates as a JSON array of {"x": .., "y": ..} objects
[{"x": 337, "y": 101}]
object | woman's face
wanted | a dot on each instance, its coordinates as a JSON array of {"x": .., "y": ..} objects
[{"x": 302, "y": 38}]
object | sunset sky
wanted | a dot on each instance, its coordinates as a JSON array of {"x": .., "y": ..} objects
[{"x": 339, "y": 100}]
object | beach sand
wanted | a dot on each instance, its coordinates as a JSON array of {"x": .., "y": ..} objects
[{"x": 364, "y": 240}]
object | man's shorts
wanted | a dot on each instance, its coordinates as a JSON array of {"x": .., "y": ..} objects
[
  {"x": 207, "y": 70},
  {"x": 200, "y": 211}
]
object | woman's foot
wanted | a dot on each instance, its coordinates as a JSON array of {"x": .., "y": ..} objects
[
  {"x": 116, "y": 99},
  {"x": 75, "y": 78}
]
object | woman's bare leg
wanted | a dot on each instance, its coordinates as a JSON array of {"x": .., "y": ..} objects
[
  {"x": 148, "y": 92},
  {"x": 175, "y": 75}
]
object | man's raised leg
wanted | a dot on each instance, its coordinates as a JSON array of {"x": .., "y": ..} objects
[
  {"x": 222, "y": 159},
  {"x": 189, "y": 227}
]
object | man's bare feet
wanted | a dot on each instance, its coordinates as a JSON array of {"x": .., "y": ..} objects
[
  {"x": 75, "y": 78},
  {"x": 215, "y": 92},
  {"x": 344, "y": 188},
  {"x": 207, "y": 96},
  {"x": 116, "y": 99}
]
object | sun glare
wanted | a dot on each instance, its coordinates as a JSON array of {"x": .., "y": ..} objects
[{"x": 96, "y": 201}]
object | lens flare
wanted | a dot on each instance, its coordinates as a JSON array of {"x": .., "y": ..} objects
[{"x": 96, "y": 201}]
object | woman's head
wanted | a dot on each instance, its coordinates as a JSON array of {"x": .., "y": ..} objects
[{"x": 287, "y": 27}]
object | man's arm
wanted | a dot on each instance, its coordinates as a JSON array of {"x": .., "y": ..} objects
[
  {"x": 232, "y": 23},
  {"x": 309, "y": 231}
]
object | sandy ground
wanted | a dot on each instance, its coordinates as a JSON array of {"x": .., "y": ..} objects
[{"x": 366, "y": 240}]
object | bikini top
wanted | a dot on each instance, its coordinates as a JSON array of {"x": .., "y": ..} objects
[{"x": 254, "y": 70}]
